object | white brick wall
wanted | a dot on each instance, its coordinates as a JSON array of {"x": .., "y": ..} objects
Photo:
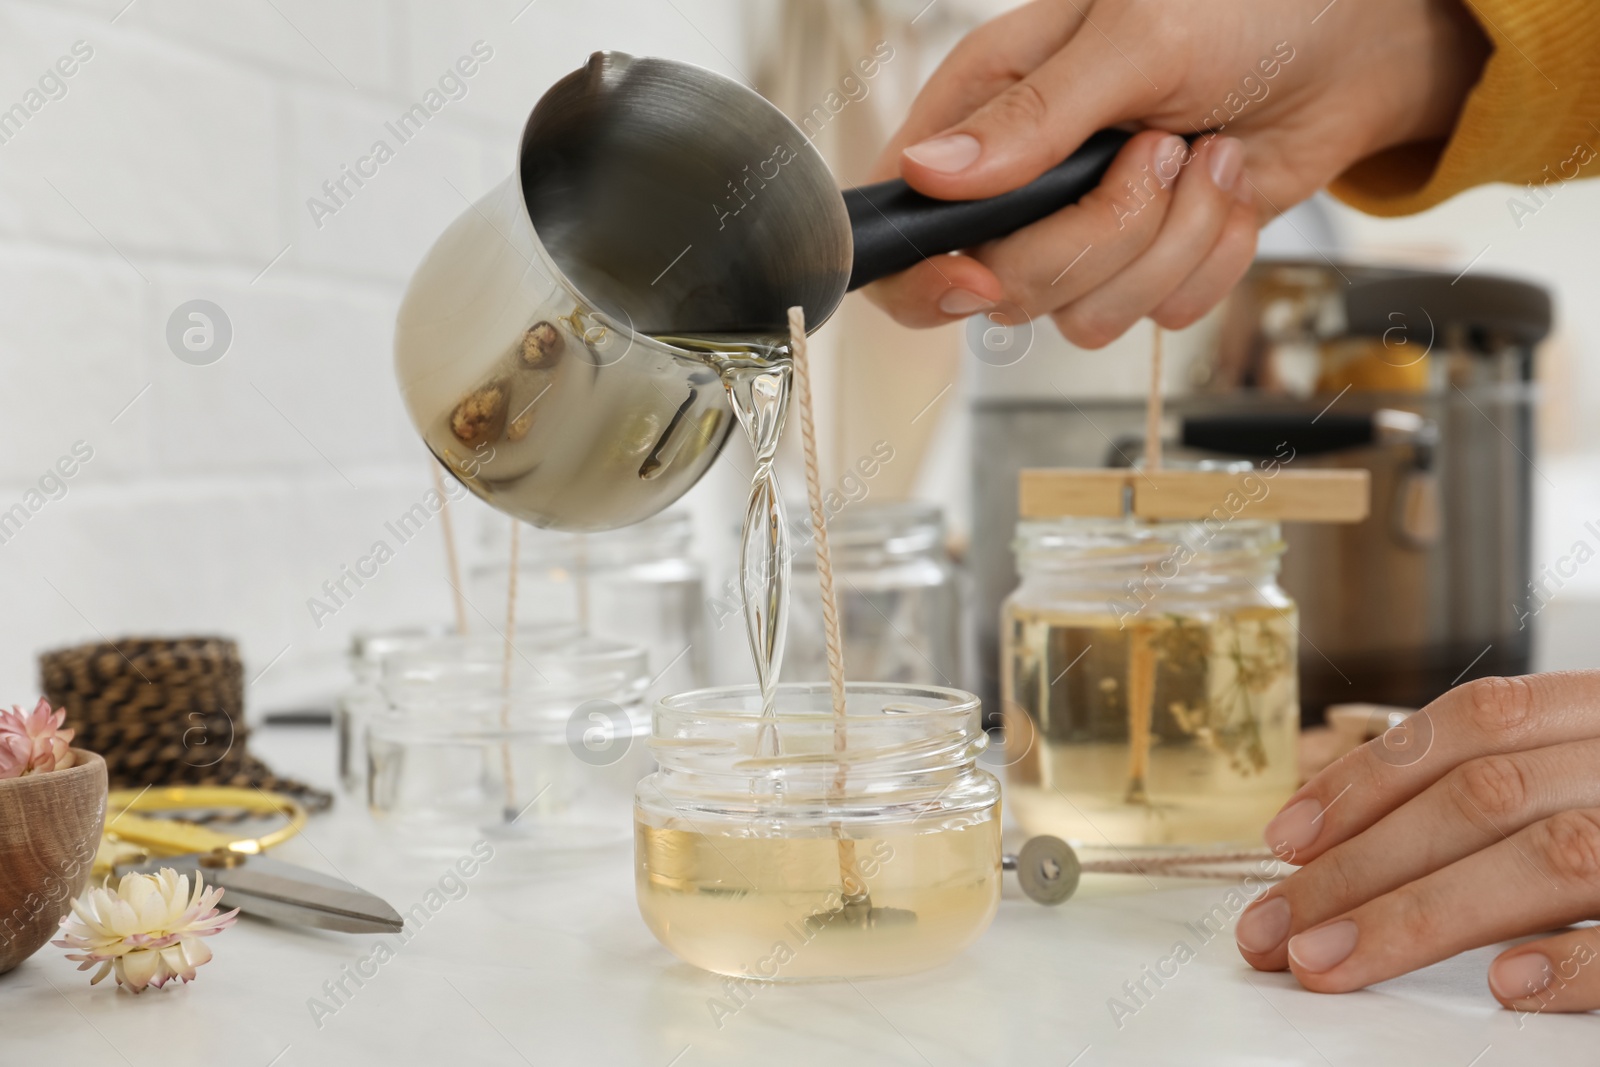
[{"x": 177, "y": 166}]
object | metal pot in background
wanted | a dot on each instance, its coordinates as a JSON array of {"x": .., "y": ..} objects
[{"x": 1424, "y": 380}]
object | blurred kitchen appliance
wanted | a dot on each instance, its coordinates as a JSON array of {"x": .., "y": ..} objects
[{"x": 1423, "y": 379}]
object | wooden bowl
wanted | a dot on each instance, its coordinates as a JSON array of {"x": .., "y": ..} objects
[{"x": 50, "y": 826}]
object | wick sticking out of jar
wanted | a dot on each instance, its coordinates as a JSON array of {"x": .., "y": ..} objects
[
  {"x": 855, "y": 899},
  {"x": 1141, "y": 706},
  {"x": 452, "y": 562},
  {"x": 509, "y": 811},
  {"x": 1141, "y": 656}
]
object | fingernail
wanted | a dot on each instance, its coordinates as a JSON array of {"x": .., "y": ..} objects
[
  {"x": 1169, "y": 157},
  {"x": 1263, "y": 926},
  {"x": 1324, "y": 948},
  {"x": 1296, "y": 826},
  {"x": 962, "y": 302},
  {"x": 957, "y": 151},
  {"x": 1521, "y": 976},
  {"x": 1227, "y": 160}
]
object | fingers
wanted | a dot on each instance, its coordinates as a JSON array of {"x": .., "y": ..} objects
[
  {"x": 1557, "y": 973},
  {"x": 1205, "y": 195},
  {"x": 1060, "y": 258},
  {"x": 938, "y": 290},
  {"x": 1540, "y": 878},
  {"x": 1491, "y": 715},
  {"x": 985, "y": 63},
  {"x": 1216, "y": 275},
  {"x": 1166, "y": 222},
  {"x": 1050, "y": 263},
  {"x": 1475, "y": 806},
  {"x": 1030, "y": 126}
]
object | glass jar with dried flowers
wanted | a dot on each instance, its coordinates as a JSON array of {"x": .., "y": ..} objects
[{"x": 1148, "y": 682}]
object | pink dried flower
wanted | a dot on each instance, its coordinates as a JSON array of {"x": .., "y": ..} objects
[
  {"x": 36, "y": 738},
  {"x": 147, "y": 930},
  {"x": 14, "y": 753}
]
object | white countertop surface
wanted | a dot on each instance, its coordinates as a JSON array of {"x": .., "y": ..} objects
[{"x": 558, "y": 968}]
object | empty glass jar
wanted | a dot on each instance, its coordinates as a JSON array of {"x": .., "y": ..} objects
[
  {"x": 640, "y": 584},
  {"x": 898, "y": 597},
  {"x": 545, "y": 752},
  {"x": 1148, "y": 682},
  {"x": 784, "y": 848},
  {"x": 353, "y": 706}
]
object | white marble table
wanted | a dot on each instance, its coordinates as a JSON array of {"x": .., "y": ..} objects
[{"x": 559, "y": 969}]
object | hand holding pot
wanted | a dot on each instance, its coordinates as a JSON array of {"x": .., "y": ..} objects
[{"x": 1297, "y": 97}]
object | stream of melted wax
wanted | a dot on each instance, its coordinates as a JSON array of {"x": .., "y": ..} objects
[
  {"x": 760, "y": 397},
  {"x": 757, "y": 375}
]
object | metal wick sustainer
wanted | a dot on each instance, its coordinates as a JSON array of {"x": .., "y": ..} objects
[{"x": 1047, "y": 869}]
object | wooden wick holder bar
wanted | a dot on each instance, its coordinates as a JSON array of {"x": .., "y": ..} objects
[{"x": 1166, "y": 493}]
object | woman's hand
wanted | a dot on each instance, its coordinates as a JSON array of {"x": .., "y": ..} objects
[
  {"x": 1475, "y": 821},
  {"x": 1300, "y": 90}
]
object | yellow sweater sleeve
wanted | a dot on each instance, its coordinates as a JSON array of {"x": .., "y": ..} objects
[{"x": 1534, "y": 115}]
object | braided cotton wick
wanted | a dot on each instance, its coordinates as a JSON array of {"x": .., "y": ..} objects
[
  {"x": 1187, "y": 865},
  {"x": 853, "y": 890},
  {"x": 452, "y": 562},
  {"x": 819, "y": 521},
  {"x": 509, "y": 638}
]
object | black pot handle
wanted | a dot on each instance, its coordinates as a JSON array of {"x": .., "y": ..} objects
[
  {"x": 1263, "y": 435},
  {"x": 896, "y": 227}
]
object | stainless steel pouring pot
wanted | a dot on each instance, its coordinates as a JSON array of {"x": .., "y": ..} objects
[{"x": 652, "y": 199}]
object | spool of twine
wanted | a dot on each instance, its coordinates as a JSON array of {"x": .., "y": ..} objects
[{"x": 163, "y": 711}]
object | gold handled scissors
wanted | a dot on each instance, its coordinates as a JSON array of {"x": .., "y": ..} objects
[{"x": 255, "y": 884}]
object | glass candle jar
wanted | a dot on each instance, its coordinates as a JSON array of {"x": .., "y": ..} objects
[
  {"x": 1148, "y": 682},
  {"x": 551, "y": 759},
  {"x": 779, "y": 848},
  {"x": 352, "y": 707},
  {"x": 898, "y": 600},
  {"x": 641, "y": 584}
]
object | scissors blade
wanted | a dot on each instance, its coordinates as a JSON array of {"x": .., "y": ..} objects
[{"x": 271, "y": 889}]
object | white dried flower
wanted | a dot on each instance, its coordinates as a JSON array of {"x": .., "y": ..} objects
[{"x": 148, "y": 929}]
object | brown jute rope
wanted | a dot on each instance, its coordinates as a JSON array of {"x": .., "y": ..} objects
[{"x": 163, "y": 711}]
